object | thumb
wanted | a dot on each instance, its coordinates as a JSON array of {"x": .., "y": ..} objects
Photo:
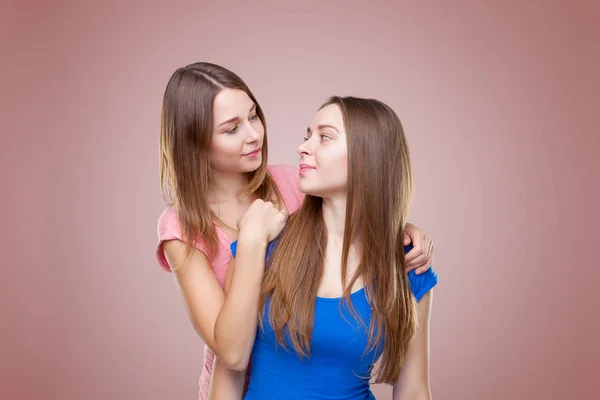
[{"x": 407, "y": 239}]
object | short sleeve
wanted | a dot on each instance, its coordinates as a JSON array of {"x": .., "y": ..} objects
[
  {"x": 287, "y": 180},
  {"x": 168, "y": 229},
  {"x": 421, "y": 284}
]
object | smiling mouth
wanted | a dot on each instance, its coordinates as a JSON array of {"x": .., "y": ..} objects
[
  {"x": 252, "y": 153},
  {"x": 305, "y": 168}
]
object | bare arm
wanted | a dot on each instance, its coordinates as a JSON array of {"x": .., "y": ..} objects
[
  {"x": 225, "y": 383},
  {"x": 204, "y": 298},
  {"x": 236, "y": 324},
  {"x": 202, "y": 292},
  {"x": 413, "y": 383}
]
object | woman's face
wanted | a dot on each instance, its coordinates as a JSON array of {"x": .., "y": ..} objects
[
  {"x": 324, "y": 155},
  {"x": 238, "y": 133}
]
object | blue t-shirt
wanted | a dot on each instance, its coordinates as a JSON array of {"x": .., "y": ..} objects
[{"x": 338, "y": 368}]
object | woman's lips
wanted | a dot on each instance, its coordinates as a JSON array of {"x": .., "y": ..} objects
[{"x": 252, "y": 154}]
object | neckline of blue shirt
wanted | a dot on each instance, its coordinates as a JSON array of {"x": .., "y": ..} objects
[{"x": 337, "y": 299}]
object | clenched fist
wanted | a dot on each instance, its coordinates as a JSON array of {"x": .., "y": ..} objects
[{"x": 262, "y": 221}]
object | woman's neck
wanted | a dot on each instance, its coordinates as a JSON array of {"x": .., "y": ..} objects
[
  {"x": 226, "y": 186},
  {"x": 334, "y": 215}
]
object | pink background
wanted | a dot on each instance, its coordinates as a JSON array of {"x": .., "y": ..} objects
[{"x": 499, "y": 101}]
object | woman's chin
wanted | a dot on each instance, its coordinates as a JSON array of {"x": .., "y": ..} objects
[
  {"x": 251, "y": 166},
  {"x": 307, "y": 188}
]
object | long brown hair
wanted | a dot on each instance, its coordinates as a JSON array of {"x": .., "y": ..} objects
[
  {"x": 185, "y": 139},
  {"x": 378, "y": 198}
]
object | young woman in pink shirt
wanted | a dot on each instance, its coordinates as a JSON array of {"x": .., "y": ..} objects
[{"x": 213, "y": 165}]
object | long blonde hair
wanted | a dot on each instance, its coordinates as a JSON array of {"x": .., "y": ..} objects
[
  {"x": 185, "y": 139},
  {"x": 378, "y": 198}
]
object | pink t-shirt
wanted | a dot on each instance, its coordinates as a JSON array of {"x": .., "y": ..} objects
[{"x": 286, "y": 178}]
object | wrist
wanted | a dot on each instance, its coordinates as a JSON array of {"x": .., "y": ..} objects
[{"x": 251, "y": 239}]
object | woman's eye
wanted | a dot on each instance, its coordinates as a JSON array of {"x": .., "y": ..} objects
[
  {"x": 325, "y": 137},
  {"x": 253, "y": 117},
  {"x": 233, "y": 130}
]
